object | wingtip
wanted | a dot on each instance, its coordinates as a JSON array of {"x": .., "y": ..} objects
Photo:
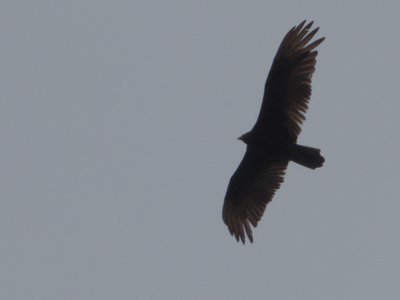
[
  {"x": 315, "y": 30},
  {"x": 250, "y": 238},
  {"x": 308, "y": 26},
  {"x": 302, "y": 23},
  {"x": 299, "y": 27}
]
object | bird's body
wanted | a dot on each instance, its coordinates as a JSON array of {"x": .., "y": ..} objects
[{"x": 272, "y": 142}]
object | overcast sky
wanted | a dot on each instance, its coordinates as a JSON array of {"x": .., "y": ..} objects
[{"x": 118, "y": 127}]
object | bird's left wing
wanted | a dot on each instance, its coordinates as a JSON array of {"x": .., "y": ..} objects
[
  {"x": 250, "y": 188},
  {"x": 288, "y": 86}
]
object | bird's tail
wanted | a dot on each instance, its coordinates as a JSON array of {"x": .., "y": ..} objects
[{"x": 307, "y": 156}]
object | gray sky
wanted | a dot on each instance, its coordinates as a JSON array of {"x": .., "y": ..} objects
[{"x": 118, "y": 127}]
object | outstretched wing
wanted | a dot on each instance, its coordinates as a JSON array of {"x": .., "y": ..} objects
[
  {"x": 288, "y": 86},
  {"x": 250, "y": 188}
]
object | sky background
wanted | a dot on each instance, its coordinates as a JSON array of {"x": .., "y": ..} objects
[{"x": 118, "y": 127}]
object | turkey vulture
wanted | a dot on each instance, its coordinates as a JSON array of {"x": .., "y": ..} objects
[{"x": 272, "y": 142}]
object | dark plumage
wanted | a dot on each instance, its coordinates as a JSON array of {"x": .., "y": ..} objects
[{"x": 272, "y": 142}]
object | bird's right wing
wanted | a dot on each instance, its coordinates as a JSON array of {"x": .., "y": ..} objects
[{"x": 250, "y": 188}]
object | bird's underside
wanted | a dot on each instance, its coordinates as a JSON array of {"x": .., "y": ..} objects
[{"x": 272, "y": 142}]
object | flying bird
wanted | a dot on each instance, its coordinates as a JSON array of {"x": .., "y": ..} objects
[{"x": 272, "y": 142}]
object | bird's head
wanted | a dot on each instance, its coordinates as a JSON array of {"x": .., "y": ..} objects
[{"x": 245, "y": 138}]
